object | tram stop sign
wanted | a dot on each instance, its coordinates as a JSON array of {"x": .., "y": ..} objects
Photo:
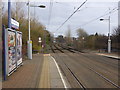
[{"x": 39, "y": 40}]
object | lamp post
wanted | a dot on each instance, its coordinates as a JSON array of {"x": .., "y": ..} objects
[
  {"x": 109, "y": 40},
  {"x": 29, "y": 42}
]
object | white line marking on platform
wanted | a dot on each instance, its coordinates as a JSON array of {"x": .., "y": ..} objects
[{"x": 65, "y": 86}]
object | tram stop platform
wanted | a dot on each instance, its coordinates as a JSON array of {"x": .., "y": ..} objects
[{"x": 40, "y": 72}]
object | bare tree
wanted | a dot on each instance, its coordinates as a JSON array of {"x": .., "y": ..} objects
[
  {"x": 116, "y": 38},
  {"x": 116, "y": 31},
  {"x": 18, "y": 10},
  {"x": 68, "y": 36}
]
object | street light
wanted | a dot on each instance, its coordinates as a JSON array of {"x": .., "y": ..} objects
[
  {"x": 29, "y": 40},
  {"x": 109, "y": 40},
  {"x": 41, "y": 6}
]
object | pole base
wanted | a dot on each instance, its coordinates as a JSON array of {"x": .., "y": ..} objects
[
  {"x": 29, "y": 49},
  {"x": 109, "y": 46}
]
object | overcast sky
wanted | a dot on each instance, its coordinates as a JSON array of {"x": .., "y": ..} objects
[{"x": 62, "y": 9}]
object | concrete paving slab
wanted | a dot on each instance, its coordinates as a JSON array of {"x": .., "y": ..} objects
[
  {"x": 41, "y": 72},
  {"x": 27, "y": 75},
  {"x": 50, "y": 77},
  {"x": 44, "y": 77},
  {"x": 56, "y": 81}
]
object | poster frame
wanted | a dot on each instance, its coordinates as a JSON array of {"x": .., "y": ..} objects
[
  {"x": 7, "y": 63},
  {"x": 7, "y": 71},
  {"x": 18, "y": 64}
]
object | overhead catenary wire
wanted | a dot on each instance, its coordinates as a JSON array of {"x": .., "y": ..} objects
[
  {"x": 71, "y": 15},
  {"x": 110, "y": 12}
]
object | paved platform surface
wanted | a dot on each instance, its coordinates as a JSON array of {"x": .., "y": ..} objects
[
  {"x": 110, "y": 55},
  {"x": 40, "y": 72},
  {"x": 50, "y": 77},
  {"x": 27, "y": 75}
]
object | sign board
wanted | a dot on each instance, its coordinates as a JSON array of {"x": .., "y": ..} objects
[
  {"x": 39, "y": 40},
  {"x": 14, "y": 24},
  {"x": 11, "y": 41},
  {"x": 19, "y": 48}
]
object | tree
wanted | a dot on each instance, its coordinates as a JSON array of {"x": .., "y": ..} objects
[
  {"x": 116, "y": 38},
  {"x": 81, "y": 33},
  {"x": 82, "y": 36},
  {"x": 18, "y": 12},
  {"x": 90, "y": 42},
  {"x": 116, "y": 31},
  {"x": 68, "y": 36},
  {"x": 37, "y": 29}
]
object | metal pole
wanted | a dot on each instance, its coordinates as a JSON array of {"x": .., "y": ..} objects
[
  {"x": 34, "y": 13},
  {"x": 4, "y": 53},
  {"x": 29, "y": 21},
  {"x": 4, "y": 39},
  {"x": 45, "y": 39},
  {"x": 9, "y": 14},
  {"x": 29, "y": 41},
  {"x": 109, "y": 40}
]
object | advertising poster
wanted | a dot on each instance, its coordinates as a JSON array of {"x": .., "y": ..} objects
[
  {"x": 11, "y": 51},
  {"x": 19, "y": 48}
]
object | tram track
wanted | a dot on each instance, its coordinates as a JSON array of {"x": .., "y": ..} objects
[
  {"x": 91, "y": 69},
  {"x": 74, "y": 76}
]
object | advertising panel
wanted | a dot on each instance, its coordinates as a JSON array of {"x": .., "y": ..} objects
[
  {"x": 19, "y": 48},
  {"x": 11, "y": 51}
]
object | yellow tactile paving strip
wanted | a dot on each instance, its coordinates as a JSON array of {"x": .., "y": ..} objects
[{"x": 45, "y": 78}]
